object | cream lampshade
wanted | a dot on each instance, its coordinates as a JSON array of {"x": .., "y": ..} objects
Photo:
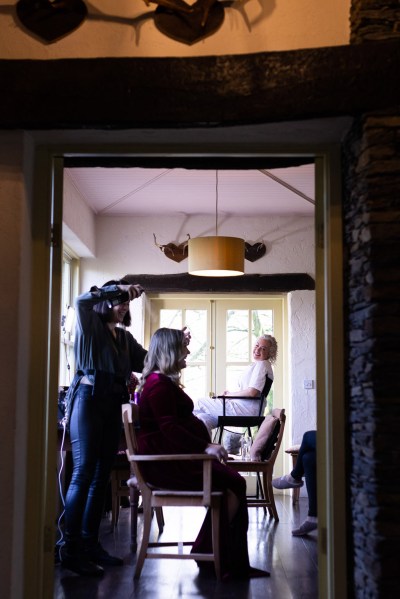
[{"x": 216, "y": 256}]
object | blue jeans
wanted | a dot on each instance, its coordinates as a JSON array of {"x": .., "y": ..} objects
[
  {"x": 306, "y": 466},
  {"x": 95, "y": 430}
]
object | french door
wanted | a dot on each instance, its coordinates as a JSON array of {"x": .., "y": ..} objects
[{"x": 223, "y": 331}]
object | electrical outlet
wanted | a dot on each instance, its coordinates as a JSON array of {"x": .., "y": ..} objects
[{"x": 308, "y": 384}]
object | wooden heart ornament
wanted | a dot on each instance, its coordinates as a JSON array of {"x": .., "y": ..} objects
[
  {"x": 254, "y": 252},
  {"x": 51, "y": 20}
]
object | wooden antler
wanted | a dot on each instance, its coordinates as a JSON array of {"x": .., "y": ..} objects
[{"x": 174, "y": 252}]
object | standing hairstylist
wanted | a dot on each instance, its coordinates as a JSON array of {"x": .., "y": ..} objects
[{"x": 105, "y": 356}]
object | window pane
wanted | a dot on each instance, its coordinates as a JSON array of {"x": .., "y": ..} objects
[
  {"x": 196, "y": 321},
  {"x": 237, "y": 333},
  {"x": 171, "y": 319},
  {"x": 262, "y": 323},
  {"x": 194, "y": 379}
]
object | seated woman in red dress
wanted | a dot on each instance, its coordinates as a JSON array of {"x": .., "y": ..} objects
[{"x": 168, "y": 425}]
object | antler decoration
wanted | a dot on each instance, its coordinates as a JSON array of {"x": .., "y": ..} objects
[{"x": 174, "y": 252}]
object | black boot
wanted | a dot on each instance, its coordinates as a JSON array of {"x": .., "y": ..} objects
[
  {"x": 96, "y": 553},
  {"x": 78, "y": 562}
]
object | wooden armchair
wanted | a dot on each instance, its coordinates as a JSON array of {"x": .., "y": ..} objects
[
  {"x": 154, "y": 498},
  {"x": 263, "y": 455}
]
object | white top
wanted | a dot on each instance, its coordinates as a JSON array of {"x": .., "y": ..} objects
[{"x": 255, "y": 375}]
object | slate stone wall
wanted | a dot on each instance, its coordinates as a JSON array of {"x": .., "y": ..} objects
[
  {"x": 371, "y": 156},
  {"x": 374, "y": 20},
  {"x": 372, "y": 291}
]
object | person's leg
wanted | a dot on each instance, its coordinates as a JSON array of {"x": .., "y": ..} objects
[
  {"x": 310, "y": 474},
  {"x": 308, "y": 444},
  {"x": 207, "y": 410},
  {"x": 83, "y": 426},
  {"x": 294, "y": 479},
  {"x": 107, "y": 442}
]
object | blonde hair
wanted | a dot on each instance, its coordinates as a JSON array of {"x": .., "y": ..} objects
[
  {"x": 165, "y": 352},
  {"x": 273, "y": 347}
]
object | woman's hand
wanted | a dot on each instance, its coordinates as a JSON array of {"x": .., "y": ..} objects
[
  {"x": 187, "y": 335},
  {"x": 218, "y": 451},
  {"x": 133, "y": 291}
]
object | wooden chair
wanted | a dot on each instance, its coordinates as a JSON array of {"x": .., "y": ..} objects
[
  {"x": 153, "y": 497},
  {"x": 247, "y": 422},
  {"x": 119, "y": 488},
  {"x": 294, "y": 452},
  {"x": 264, "y": 467}
]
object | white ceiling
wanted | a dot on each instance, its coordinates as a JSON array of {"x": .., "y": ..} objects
[{"x": 146, "y": 191}]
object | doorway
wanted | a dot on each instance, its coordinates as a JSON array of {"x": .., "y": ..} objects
[{"x": 330, "y": 375}]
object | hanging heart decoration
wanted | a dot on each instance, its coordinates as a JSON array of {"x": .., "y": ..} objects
[
  {"x": 51, "y": 21},
  {"x": 192, "y": 27},
  {"x": 254, "y": 252}
]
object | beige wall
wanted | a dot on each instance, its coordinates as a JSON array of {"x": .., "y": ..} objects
[
  {"x": 126, "y": 28},
  {"x": 15, "y": 283}
]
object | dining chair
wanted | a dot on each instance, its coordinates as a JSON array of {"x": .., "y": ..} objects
[
  {"x": 154, "y": 498},
  {"x": 263, "y": 454}
]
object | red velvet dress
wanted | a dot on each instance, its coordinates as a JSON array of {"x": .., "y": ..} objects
[{"x": 168, "y": 425}]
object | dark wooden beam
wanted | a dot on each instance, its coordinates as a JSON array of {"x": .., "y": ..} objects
[
  {"x": 183, "y": 282},
  {"x": 126, "y": 93}
]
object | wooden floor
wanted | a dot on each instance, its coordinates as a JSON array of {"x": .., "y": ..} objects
[{"x": 292, "y": 561}]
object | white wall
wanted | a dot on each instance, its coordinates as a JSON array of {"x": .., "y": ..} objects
[
  {"x": 126, "y": 29},
  {"x": 78, "y": 222},
  {"x": 302, "y": 362},
  {"x": 125, "y": 245}
]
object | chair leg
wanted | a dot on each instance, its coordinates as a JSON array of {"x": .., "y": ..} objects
[
  {"x": 268, "y": 490},
  {"x": 134, "y": 504},
  {"x": 215, "y": 524},
  {"x": 114, "y": 500},
  {"x": 221, "y": 432},
  {"x": 147, "y": 510},
  {"x": 260, "y": 490},
  {"x": 160, "y": 518}
]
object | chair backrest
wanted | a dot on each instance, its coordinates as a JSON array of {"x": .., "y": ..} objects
[
  {"x": 278, "y": 413},
  {"x": 130, "y": 416},
  {"x": 269, "y": 437},
  {"x": 264, "y": 395}
]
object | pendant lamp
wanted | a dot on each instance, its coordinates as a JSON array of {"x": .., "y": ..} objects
[{"x": 216, "y": 256}]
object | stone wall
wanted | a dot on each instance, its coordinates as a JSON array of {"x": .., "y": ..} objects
[
  {"x": 374, "y": 20},
  {"x": 372, "y": 284},
  {"x": 372, "y": 291}
]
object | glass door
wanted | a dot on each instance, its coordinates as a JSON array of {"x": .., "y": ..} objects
[
  {"x": 196, "y": 314},
  {"x": 223, "y": 330}
]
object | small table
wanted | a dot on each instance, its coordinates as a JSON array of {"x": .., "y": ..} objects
[{"x": 294, "y": 452}]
